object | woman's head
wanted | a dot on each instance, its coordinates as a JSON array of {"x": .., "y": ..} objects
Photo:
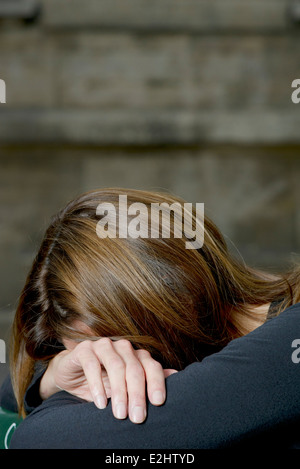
[{"x": 178, "y": 303}]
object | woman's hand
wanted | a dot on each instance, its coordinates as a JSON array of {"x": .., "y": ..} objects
[{"x": 97, "y": 370}]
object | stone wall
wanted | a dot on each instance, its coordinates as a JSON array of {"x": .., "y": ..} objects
[{"x": 188, "y": 96}]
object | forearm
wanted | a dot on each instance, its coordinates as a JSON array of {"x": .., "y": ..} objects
[{"x": 248, "y": 389}]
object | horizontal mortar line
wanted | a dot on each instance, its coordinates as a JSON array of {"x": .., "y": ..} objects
[
  {"x": 150, "y": 126},
  {"x": 104, "y": 28}
]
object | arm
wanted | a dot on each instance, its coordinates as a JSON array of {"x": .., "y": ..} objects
[
  {"x": 250, "y": 387},
  {"x": 80, "y": 373},
  {"x": 32, "y": 396},
  {"x": 7, "y": 397},
  {"x": 97, "y": 370}
]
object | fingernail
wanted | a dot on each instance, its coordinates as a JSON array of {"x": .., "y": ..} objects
[
  {"x": 100, "y": 402},
  {"x": 121, "y": 411},
  {"x": 157, "y": 398},
  {"x": 138, "y": 414}
]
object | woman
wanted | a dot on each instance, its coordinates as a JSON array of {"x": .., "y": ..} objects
[{"x": 180, "y": 305}]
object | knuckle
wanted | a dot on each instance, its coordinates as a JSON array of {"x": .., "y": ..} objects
[
  {"x": 155, "y": 365},
  {"x": 116, "y": 363},
  {"x": 143, "y": 354},
  {"x": 104, "y": 342},
  {"x": 82, "y": 352},
  {"x": 138, "y": 398},
  {"x": 123, "y": 344},
  {"x": 136, "y": 369},
  {"x": 148, "y": 362},
  {"x": 90, "y": 362},
  {"x": 83, "y": 346}
]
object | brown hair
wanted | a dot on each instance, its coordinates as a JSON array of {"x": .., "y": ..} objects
[{"x": 180, "y": 304}]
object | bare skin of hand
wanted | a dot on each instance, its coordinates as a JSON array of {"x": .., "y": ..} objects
[{"x": 102, "y": 369}]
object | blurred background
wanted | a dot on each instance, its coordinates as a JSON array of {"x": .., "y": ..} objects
[{"x": 188, "y": 96}]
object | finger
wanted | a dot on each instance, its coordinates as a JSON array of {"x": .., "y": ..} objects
[
  {"x": 106, "y": 383},
  {"x": 155, "y": 377},
  {"x": 116, "y": 373},
  {"x": 169, "y": 372},
  {"x": 135, "y": 380},
  {"x": 91, "y": 367}
]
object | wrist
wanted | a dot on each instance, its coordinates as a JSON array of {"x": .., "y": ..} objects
[{"x": 48, "y": 385}]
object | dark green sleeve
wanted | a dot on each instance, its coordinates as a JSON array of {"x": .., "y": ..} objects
[{"x": 32, "y": 397}]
